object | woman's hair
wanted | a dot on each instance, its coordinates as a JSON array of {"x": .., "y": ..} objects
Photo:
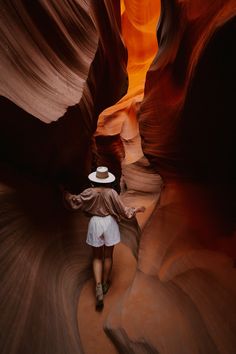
[{"x": 105, "y": 185}]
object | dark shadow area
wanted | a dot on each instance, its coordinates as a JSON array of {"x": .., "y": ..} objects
[
  {"x": 207, "y": 130},
  {"x": 60, "y": 151},
  {"x": 44, "y": 263}
]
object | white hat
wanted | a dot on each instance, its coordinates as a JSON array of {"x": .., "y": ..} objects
[{"x": 101, "y": 175}]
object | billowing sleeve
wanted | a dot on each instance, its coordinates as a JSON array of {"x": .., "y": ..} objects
[{"x": 120, "y": 208}]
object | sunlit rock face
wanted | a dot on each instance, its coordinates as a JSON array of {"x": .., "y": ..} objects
[
  {"x": 47, "y": 50},
  {"x": 189, "y": 88},
  {"x": 138, "y": 21},
  {"x": 118, "y": 126},
  {"x": 59, "y": 62}
]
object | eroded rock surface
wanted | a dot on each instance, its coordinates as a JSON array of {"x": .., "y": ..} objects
[{"x": 178, "y": 295}]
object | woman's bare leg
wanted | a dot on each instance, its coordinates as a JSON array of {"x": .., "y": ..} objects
[
  {"x": 97, "y": 272},
  {"x": 97, "y": 263},
  {"x": 108, "y": 261}
]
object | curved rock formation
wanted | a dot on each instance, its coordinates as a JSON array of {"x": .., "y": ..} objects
[
  {"x": 182, "y": 297},
  {"x": 174, "y": 288},
  {"x": 118, "y": 127},
  {"x": 46, "y": 53},
  {"x": 62, "y": 62},
  {"x": 70, "y": 63},
  {"x": 194, "y": 64}
]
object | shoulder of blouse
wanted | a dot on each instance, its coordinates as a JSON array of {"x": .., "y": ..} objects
[
  {"x": 112, "y": 192},
  {"x": 109, "y": 190},
  {"x": 87, "y": 191}
]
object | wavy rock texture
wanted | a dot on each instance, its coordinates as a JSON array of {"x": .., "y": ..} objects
[
  {"x": 139, "y": 21},
  {"x": 62, "y": 62},
  {"x": 46, "y": 53},
  {"x": 118, "y": 127},
  {"x": 43, "y": 264},
  {"x": 174, "y": 289},
  {"x": 138, "y": 25},
  {"x": 182, "y": 297},
  {"x": 193, "y": 68},
  {"x": 65, "y": 62},
  {"x": 47, "y": 50}
]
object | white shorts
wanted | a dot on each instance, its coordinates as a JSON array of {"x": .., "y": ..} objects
[{"x": 103, "y": 230}]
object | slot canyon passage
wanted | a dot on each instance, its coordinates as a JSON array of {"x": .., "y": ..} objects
[{"x": 147, "y": 88}]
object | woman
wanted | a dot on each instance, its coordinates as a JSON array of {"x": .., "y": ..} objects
[{"x": 106, "y": 208}]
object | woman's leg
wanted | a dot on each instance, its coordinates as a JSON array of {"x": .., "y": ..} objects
[
  {"x": 108, "y": 261},
  {"x": 97, "y": 272},
  {"x": 97, "y": 263}
]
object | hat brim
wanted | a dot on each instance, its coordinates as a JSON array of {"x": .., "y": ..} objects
[{"x": 92, "y": 177}]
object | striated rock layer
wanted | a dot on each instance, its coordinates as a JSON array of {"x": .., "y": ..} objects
[
  {"x": 178, "y": 294},
  {"x": 190, "y": 88},
  {"x": 119, "y": 122},
  {"x": 63, "y": 63},
  {"x": 183, "y": 296}
]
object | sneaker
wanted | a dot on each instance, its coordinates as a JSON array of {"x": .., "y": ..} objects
[{"x": 99, "y": 297}]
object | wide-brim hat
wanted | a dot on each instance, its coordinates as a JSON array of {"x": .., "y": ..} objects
[{"x": 101, "y": 175}]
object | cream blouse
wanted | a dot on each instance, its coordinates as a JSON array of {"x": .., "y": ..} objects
[{"x": 101, "y": 202}]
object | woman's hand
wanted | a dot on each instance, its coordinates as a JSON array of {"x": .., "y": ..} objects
[
  {"x": 71, "y": 200},
  {"x": 70, "y": 197},
  {"x": 67, "y": 196},
  {"x": 140, "y": 209}
]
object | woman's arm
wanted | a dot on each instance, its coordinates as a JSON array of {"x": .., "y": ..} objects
[{"x": 123, "y": 210}]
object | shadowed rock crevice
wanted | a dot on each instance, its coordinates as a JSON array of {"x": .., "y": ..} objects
[
  {"x": 207, "y": 123},
  {"x": 186, "y": 119},
  {"x": 125, "y": 346}
]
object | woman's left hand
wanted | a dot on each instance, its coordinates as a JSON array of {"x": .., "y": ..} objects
[{"x": 140, "y": 209}]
